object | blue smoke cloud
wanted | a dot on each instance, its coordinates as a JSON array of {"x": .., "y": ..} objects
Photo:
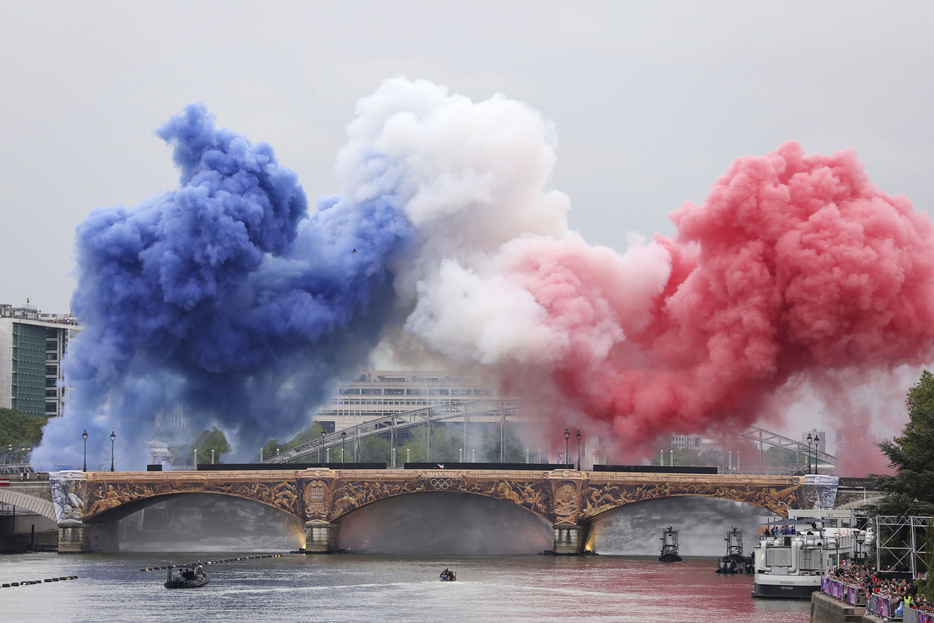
[{"x": 224, "y": 296}]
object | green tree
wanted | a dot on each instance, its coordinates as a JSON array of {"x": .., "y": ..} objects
[
  {"x": 911, "y": 490},
  {"x": 776, "y": 456},
  {"x": 375, "y": 449},
  {"x": 308, "y": 434},
  {"x": 926, "y": 586},
  {"x": 20, "y": 430},
  {"x": 684, "y": 456},
  {"x": 414, "y": 446},
  {"x": 211, "y": 440},
  {"x": 515, "y": 451},
  {"x": 271, "y": 448}
]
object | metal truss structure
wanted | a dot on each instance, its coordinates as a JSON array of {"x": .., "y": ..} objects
[
  {"x": 767, "y": 438},
  {"x": 516, "y": 410},
  {"x": 902, "y": 540},
  {"x": 492, "y": 410}
]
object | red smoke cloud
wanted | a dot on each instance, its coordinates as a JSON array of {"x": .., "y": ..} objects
[{"x": 793, "y": 264}]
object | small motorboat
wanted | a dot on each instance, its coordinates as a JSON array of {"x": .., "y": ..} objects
[
  {"x": 669, "y": 546},
  {"x": 186, "y": 577},
  {"x": 735, "y": 561},
  {"x": 448, "y": 576},
  {"x": 727, "y": 565}
]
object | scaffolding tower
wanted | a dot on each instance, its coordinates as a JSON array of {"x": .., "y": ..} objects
[{"x": 902, "y": 539}]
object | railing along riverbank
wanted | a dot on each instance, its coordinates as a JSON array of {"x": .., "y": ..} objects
[{"x": 883, "y": 606}]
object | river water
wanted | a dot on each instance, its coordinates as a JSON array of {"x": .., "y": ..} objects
[{"x": 365, "y": 588}]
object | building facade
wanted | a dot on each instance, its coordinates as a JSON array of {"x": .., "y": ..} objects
[
  {"x": 32, "y": 345},
  {"x": 382, "y": 393}
]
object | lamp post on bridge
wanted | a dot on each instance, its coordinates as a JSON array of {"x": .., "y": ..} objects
[
  {"x": 113, "y": 438},
  {"x": 578, "y": 451},
  {"x": 816, "y": 444},
  {"x": 84, "y": 436},
  {"x": 343, "y": 438},
  {"x": 320, "y": 445},
  {"x": 567, "y": 435},
  {"x": 810, "y": 439}
]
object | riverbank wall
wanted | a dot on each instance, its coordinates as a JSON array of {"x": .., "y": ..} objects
[{"x": 827, "y": 609}]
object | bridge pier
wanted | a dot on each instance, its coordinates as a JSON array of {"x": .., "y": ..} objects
[
  {"x": 568, "y": 539},
  {"x": 320, "y": 537},
  {"x": 79, "y": 538},
  {"x": 74, "y": 537},
  {"x": 105, "y": 537}
]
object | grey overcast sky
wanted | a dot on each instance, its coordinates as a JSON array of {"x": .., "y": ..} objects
[{"x": 651, "y": 100}]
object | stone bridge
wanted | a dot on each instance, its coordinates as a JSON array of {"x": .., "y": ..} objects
[{"x": 88, "y": 505}]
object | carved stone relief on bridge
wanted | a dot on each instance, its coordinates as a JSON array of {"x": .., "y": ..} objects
[
  {"x": 602, "y": 497},
  {"x": 566, "y": 501},
  {"x": 68, "y": 497},
  {"x": 317, "y": 500},
  {"x": 568, "y": 497},
  {"x": 103, "y": 496},
  {"x": 349, "y": 495}
]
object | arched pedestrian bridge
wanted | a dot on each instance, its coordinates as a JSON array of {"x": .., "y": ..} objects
[{"x": 88, "y": 505}]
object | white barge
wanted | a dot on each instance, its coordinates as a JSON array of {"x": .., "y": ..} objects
[{"x": 790, "y": 565}]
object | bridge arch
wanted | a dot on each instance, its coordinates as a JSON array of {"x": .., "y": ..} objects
[
  {"x": 443, "y": 522},
  {"x": 347, "y": 496},
  {"x": 102, "y": 510},
  {"x": 635, "y": 529},
  {"x": 29, "y": 502}
]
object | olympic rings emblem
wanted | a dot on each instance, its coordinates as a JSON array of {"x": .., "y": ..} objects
[{"x": 441, "y": 483}]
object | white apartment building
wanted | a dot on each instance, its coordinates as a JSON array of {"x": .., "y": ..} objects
[{"x": 32, "y": 344}]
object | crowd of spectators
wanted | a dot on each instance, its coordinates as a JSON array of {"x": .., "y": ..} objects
[{"x": 867, "y": 581}]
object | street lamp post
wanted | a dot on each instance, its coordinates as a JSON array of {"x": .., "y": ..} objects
[
  {"x": 578, "y": 451},
  {"x": 319, "y": 447},
  {"x": 816, "y": 444},
  {"x": 343, "y": 437},
  {"x": 810, "y": 439},
  {"x": 84, "y": 436},
  {"x": 113, "y": 437},
  {"x": 567, "y": 435}
]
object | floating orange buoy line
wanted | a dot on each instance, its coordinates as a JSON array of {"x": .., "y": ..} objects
[
  {"x": 212, "y": 562},
  {"x": 30, "y": 582}
]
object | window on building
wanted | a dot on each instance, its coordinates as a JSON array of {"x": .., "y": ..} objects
[
  {"x": 51, "y": 370},
  {"x": 51, "y": 393},
  {"x": 50, "y": 382},
  {"x": 51, "y": 356},
  {"x": 51, "y": 407}
]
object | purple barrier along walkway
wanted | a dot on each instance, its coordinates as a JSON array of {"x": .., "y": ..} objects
[{"x": 842, "y": 591}]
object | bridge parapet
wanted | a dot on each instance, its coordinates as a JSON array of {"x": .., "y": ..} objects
[{"x": 319, "y": 497}]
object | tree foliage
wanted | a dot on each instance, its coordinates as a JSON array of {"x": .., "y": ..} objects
[
  {"x": 20, "y": 430},
  {"x": 515, "y": 452},
  {"x": 212, "y": 439},
  {"x": 776, "y": 456},
  {"x": 926, "y": 586},
  {"x": 911, "y": 490},
  {"x": 445, "y": 443},
  {"x": 308, "y": 434}
]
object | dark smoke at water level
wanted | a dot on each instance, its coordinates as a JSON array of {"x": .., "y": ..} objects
[
  {"x": 203, "y": 522},
  {"x": 702, "y": 523},
  {"x": 444, "y": 523}
]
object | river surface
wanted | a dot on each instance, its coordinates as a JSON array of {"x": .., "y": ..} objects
[{"x": 111, "y": 588}]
